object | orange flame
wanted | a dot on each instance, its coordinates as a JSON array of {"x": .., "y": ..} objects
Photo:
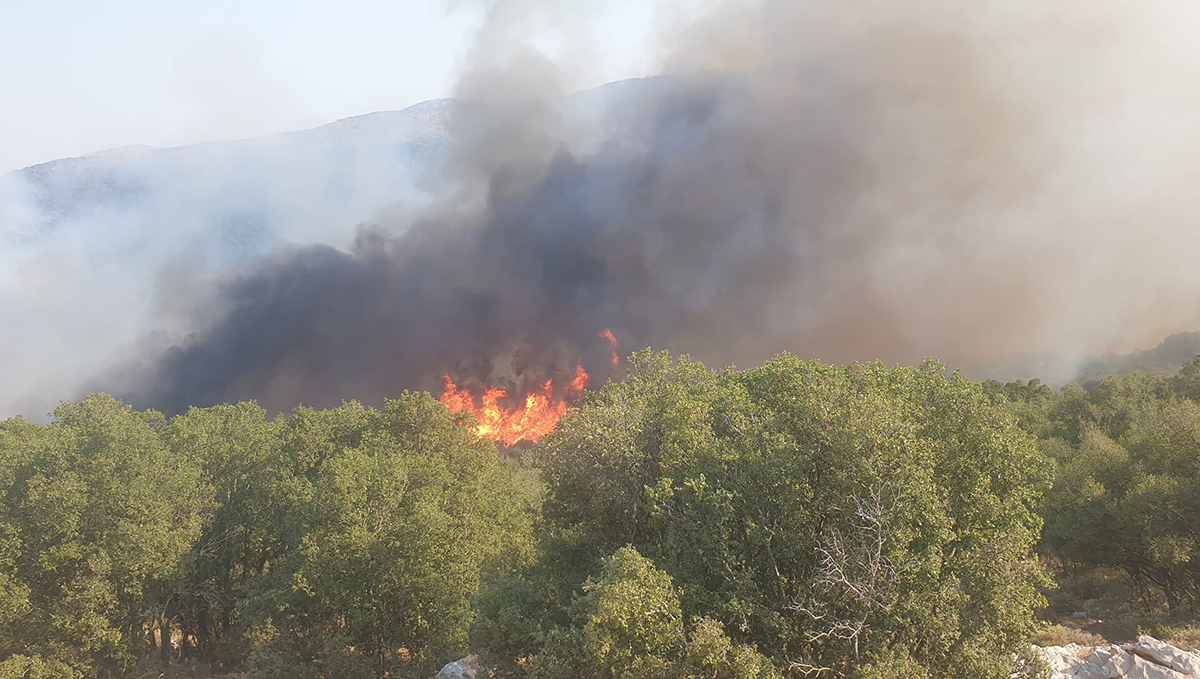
[
  {"x": 511, "y": 425},
  {"x": 607, "y": 336}
]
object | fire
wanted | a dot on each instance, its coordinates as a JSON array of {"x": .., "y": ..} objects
[
  {"x": 499, "y": 419},
  {"x": 511, "y": 425},
  {"x": 607, "y": 336}
]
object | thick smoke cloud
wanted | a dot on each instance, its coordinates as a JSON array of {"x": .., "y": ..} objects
[
  {"x": 97, "y": 251},
  {"x": 849, "y": 181}
]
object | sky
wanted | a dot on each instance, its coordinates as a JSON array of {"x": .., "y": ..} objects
[{"x": 78, "y": 76}]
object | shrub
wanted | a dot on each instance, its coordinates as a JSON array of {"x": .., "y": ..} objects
[{"x": 1058, "y": 635}]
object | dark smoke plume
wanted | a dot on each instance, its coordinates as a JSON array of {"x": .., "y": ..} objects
[{"x": 847, "y": 181}]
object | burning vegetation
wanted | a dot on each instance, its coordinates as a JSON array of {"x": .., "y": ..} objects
[
  {"x": 510, "y": 424},
  {"x": 503, "y": 415}
]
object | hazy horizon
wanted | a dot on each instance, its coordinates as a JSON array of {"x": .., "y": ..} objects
[{"x": 83, "y": 77}]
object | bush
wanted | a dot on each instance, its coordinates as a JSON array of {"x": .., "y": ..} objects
[
  {"x": 1058, "y": 635},
  {"x": 628, "y": 624},
  {"x": 1185, "y": 637},
  {"x": 26, "y": 667}
]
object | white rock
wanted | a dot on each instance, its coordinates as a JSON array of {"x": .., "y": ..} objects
[
  {"x": 467, "y": 668},
  {"x": 1161, "y": 653},
  {"x": 1148, "y": 658}
]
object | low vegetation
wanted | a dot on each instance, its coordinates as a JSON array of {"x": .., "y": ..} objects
[
  {"x": 797, "y": 519},
  {"x": 1061, "y": 635}
]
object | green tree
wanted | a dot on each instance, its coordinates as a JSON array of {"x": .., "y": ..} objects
[
  {"x": 25, "y": 667},
  {"x": 711, "y": 654},
  {"x": 1031, "y": 402},
  {"x": 628, "y": 623},
  {"x": 399, "y": 533},
  {"x": 634, "y": 623},
  {"x": 1186, "y": 383},
  {"x": 1130, "y": 503},
  {"x": 254, "y": 489},
  {"x": 97, "y": 517},
  {"x": 825, "y": 515}
]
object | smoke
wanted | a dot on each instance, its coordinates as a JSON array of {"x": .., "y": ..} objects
[
  {"x": 995, "y": 184},
  {"x": 122, "y": 253}
]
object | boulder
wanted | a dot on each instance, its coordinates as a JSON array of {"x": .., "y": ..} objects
[
  {"x": 467, "y": 668},
  {"x": 1164, "y": 654},
  {"x": 1147, "y": 658}
]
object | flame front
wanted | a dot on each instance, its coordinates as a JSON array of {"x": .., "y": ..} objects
[
  {"x": 499, "y": 419},
  {"x": 512, "y": 424},
  {"x": 607, "y": 336}
]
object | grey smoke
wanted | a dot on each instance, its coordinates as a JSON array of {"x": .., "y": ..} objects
[
  {"x": 847, "y": 181},
  {"x": 97, "y": 252}
]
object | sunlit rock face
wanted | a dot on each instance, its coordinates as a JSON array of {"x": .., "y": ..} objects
[
  {"x": 467, "y": 668},
  {"x": 1147, "y": 658}
]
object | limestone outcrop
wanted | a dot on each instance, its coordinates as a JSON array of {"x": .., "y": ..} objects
[
  {"x": 1147, "y": 658},
  {"x": 467, "y": 668}
]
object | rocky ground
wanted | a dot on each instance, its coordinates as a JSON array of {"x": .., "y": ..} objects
[{"x": 1147, "y": 658}]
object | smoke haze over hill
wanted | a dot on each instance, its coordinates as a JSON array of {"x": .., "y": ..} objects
[{"x": 846, "y": 181}]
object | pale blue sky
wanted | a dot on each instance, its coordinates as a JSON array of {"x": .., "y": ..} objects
[{"x": 77, "y": 76}]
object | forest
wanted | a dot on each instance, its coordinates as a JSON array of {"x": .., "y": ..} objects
[{"x": 794, "y": 519}]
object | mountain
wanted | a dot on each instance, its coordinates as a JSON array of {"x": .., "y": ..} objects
[
  {"x": 101, "y": 251},
  {"x": 97, "y": 251},
  {"x": 312, "y": 185},
  {"x": 250, "y": 191},
  {"x": 1165, "y": 359}
]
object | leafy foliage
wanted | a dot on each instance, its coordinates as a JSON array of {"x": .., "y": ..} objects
[
  {"x": 795, "y": 519},
  {"x": 823, "y": 515},
  {"x": 97, "y": 519},
  {"x": 399, "y": 531},
  {"x": 1128, "y": 490},
  {"x": 629, "y": 623},
  {"x": 339, "y": 543},
  {"x": 25, "y": 667}
]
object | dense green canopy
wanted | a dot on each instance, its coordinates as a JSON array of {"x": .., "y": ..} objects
[
  {"x": 826, "y": 516},
  {"x": 348, "y": 542},
  {"x": 796, "y": 519}
]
